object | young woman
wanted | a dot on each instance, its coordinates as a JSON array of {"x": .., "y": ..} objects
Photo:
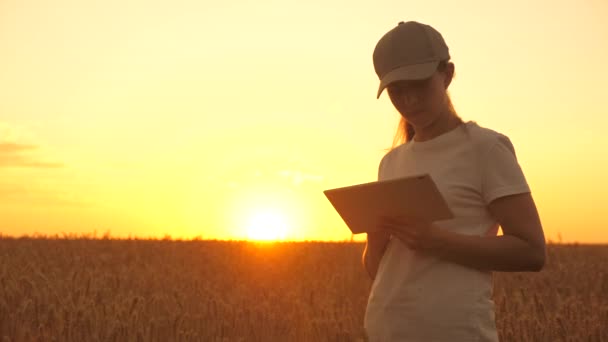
[{"x": 432, "y": 281}]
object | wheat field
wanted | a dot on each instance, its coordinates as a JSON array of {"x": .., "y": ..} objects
[{"x": 81, "y": 289}]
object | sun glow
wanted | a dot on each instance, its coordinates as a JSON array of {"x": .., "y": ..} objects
[{"x": 267, "y": 226}]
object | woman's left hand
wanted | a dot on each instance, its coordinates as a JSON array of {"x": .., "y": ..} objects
[{"x": 417, "y": 235}]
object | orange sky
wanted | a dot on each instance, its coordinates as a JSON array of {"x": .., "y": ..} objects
[{"x": 193, "y": 118}]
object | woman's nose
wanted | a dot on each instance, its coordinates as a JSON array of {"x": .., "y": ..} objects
[{"x": 410, "y": 98}]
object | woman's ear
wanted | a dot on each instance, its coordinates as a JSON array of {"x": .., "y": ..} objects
[{"x": 449, "y": 74}]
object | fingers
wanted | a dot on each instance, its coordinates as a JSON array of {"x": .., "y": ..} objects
[
  {"x": 408, "y": 238},
  {"x": 380, "y": 234},
  {"x": 406, "y": 229},
  {"x": 397, "y": 219},
  {"x": 411, "y": 235},
  {"x": 410, "y": 242}
]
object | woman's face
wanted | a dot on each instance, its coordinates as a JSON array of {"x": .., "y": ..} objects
[{"x": 421, "y": 102}]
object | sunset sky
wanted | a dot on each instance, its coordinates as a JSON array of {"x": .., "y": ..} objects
[{"x": 214, "y": 118}]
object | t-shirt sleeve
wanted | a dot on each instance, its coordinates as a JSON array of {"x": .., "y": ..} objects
[{"x": 501, "y": 173}]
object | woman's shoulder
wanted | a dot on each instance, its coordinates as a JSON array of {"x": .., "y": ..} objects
[
  {"x": 482, "y": 132},
  {"x": 485, "y": 137},
  {"x": 392, "y": 153}
]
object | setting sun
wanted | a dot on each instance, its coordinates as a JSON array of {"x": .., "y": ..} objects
[{"x": 266, "y": 226}]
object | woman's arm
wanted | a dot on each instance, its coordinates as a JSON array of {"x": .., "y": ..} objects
[
  {"x": 521, "y": 248},
  {"x": 374, "y": 250}
]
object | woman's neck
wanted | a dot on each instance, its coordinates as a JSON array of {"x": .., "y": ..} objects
[{"x": 444, "y": 124}]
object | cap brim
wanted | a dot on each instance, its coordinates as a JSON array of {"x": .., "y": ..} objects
[{"x": 406, "y": 73}]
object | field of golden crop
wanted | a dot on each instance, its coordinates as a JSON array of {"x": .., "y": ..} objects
[{"x": 155, "y": 290}]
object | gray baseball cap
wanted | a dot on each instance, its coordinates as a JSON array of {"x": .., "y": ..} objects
[{"x": 410, "y": 51}]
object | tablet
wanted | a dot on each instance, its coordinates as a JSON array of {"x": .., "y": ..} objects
[{"x": 361, "y": 206}]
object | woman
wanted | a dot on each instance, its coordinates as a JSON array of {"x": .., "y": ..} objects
[{"x": 432, "y": 281}]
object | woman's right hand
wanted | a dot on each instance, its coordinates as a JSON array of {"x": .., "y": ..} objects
[{"x": 378, "y": 237}]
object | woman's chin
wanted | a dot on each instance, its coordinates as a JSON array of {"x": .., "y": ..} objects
[{"x": 418, "y": 120}]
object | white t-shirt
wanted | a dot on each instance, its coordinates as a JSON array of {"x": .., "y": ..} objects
[{"x": 418, "y": 297}]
